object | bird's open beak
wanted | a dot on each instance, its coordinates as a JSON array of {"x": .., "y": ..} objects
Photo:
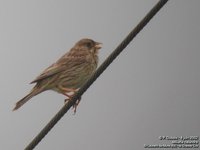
[{"x": 98, "y": 45}]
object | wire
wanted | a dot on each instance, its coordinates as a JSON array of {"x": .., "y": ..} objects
[{"x": 98, "y": 72}]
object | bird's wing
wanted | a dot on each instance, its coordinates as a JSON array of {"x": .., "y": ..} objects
[
  {"x": 50, "y": 71},
  {"x": 60, "y": 66}
]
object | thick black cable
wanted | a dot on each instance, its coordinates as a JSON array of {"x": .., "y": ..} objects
[{"x": 98, "y": 72}]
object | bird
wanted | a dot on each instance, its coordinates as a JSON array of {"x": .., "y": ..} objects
[{"x": 68, "y": 73}]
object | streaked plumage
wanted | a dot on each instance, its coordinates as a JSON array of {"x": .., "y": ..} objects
[{"x": 70, "y": 72}]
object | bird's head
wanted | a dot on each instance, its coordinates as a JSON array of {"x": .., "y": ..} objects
[{"x": 88, "y": 45}]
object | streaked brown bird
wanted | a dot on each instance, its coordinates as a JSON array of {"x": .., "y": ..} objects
[{"x": 70, "y": 72}]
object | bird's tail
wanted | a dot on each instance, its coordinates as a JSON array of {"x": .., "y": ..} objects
[{"x": 26, "y": 98}]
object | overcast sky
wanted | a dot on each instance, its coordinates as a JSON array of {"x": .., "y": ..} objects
[{"x": 152, "y": 89}]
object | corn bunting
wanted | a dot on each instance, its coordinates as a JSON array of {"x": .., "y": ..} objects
[{"x": 69, "y": 73}]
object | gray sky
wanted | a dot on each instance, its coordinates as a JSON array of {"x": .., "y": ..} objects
[{"x": 152, "y": 89}]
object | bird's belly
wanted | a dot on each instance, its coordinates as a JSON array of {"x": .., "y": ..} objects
[{"x": 77, "y": 79}]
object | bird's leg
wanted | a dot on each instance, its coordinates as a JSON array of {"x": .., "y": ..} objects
[
  {"x": 69, "y": 96},
  {"x": 67, "y": 90},
  {"x": 64, "y": 91},
  {"x": 76, "y": 104}
]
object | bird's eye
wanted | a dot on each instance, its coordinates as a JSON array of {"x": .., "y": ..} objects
[{"x": 89, "y": 45}]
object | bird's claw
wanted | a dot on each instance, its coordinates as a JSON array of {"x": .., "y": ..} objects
[{"x": 75, "y": 105}]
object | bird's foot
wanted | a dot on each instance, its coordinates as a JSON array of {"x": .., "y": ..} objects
[{"x": 75, "y": 105}]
